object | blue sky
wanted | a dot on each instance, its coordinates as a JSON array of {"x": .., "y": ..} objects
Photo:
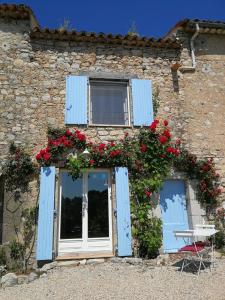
[{"x": 152, "y": 18}]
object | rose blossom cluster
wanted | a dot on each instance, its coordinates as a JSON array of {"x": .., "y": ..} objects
[
  {"x": 107, "y": 149},
  {"x": 68, "y": 140},
  {"x": 164, "y": 138}
]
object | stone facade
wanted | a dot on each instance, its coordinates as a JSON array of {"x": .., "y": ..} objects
[{"x": 32, "y": 95}]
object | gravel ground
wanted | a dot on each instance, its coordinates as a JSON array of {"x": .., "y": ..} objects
[{"x": 122, "y": 281}]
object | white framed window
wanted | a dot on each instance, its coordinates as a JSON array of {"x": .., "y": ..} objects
[{"x": 109, "y": 102}]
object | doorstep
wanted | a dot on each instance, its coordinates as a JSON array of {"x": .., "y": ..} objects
[{"x": 84, "y": 255}]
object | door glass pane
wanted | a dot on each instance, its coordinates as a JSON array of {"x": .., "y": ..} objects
[
  {"x": 98, "y": 219},
  {"x": 71, "y": 207}
]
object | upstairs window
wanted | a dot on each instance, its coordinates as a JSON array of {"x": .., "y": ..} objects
[{"x": 109, "y": 103}]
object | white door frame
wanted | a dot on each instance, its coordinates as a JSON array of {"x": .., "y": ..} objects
[{"x": 85, "y": 244}]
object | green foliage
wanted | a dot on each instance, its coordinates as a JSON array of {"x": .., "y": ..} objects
[
  {"x": 17, "y": 250},
  {"x": 76, "y": 165},
  {"x": 156, "y": 100},
  {"x": 143, "y": 188},
  {"x": 204, "y": 171},
  {"x": 220, "y": 225},
  {"x": 220, "y": 239},
  {"x": 54, "y": 133},
  {"x": 18, "y": 171},
  {"x": 29, "y": 221},
  {"x": 20, "y": 250},
  {"x": 149, "y": 234},
  {"x": 149, "y": 157},
  {"x": 3, "y": 259}
]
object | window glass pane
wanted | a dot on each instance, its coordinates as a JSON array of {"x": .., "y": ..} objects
[
  {"x": 71, "y": 207},
  {"x": 109, "y": 103},
  {"x": 98, "y": 221}
]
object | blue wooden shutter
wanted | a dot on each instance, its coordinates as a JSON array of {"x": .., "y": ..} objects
[
  {"x": 142, "y": 102},
  {"x": 46, "y": 214},
  {"x": 174, "y": 213},
  {"x": 76, "y": 100},
  {"x": 123, "y": 212}
]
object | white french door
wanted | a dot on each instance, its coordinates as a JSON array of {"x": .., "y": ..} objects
[{"x": 85, "y": 214}]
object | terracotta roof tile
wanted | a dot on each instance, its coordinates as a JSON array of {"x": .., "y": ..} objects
[
  {"x": 83, "y": 36},
  {"x": 18, "y": 12},
  {"x": 206, "y": 26}
]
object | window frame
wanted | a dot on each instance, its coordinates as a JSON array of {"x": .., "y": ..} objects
[
  {"x": 128, "y": 99},
  {"x": 84, "y": 245}
]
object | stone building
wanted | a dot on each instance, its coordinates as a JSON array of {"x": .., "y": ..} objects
[{"x": 41, "y": 68}]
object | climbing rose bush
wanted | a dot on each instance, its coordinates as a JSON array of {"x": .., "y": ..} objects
[{"x": 149, "y": 157}]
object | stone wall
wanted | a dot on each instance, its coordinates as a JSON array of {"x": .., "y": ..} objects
[
  {"x": 33, "y": 81},
  {"x": 202, "y": 98},
  {"x": 32, "y": 95}
]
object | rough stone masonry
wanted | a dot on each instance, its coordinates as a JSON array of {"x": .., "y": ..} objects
[{"x": 33, "y": 69}]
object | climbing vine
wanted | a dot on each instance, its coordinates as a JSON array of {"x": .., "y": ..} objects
[
  {"x": 149, "y": 157},
  {"x": 208, "y": 188},
  {"x": 18, "y": 172}
]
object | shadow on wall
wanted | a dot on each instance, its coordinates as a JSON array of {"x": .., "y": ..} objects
[{"x": 175, "y": 81}]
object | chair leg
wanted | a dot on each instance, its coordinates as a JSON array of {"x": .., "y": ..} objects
[
  {"x": 183, "y": 265},
  {"x": 200, "y": 264}
]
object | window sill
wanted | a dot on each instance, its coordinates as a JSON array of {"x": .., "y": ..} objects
[
  {"x": 108, "y": 125},
  {"x": 84, "y": 255}
]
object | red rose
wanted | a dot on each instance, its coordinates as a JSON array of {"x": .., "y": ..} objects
[
  {"x": 63, "y": 138},
  {"x": 67, "y": 143},
  {"x": 154, "y": 125},
  {"x": 177, "y": 152},
  {"x": 173, "y": 151},
  {"x": 56, "y": 143},
  {"x": 165, "y": 122},
  {"x": 163, "y": 139},
  {"x": 91, "y": 161},
  {"x": 112, "y": 154},
  {"x": 68, "y": 132},
  {"x": 42, "y": 152},
  {"x": 38, "y": 156},
  {"x": 167, "y": 133},
  {"x": 170, "y": 150},
  {"x": 143, "y": 148},
  {"x": 46, "y": 156},
  {"x": 101, "y": 146},
  {"x": 117, "y": 152},
  {"x": 148, "y": 193},
  {"x": 81, "y": 137}
]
